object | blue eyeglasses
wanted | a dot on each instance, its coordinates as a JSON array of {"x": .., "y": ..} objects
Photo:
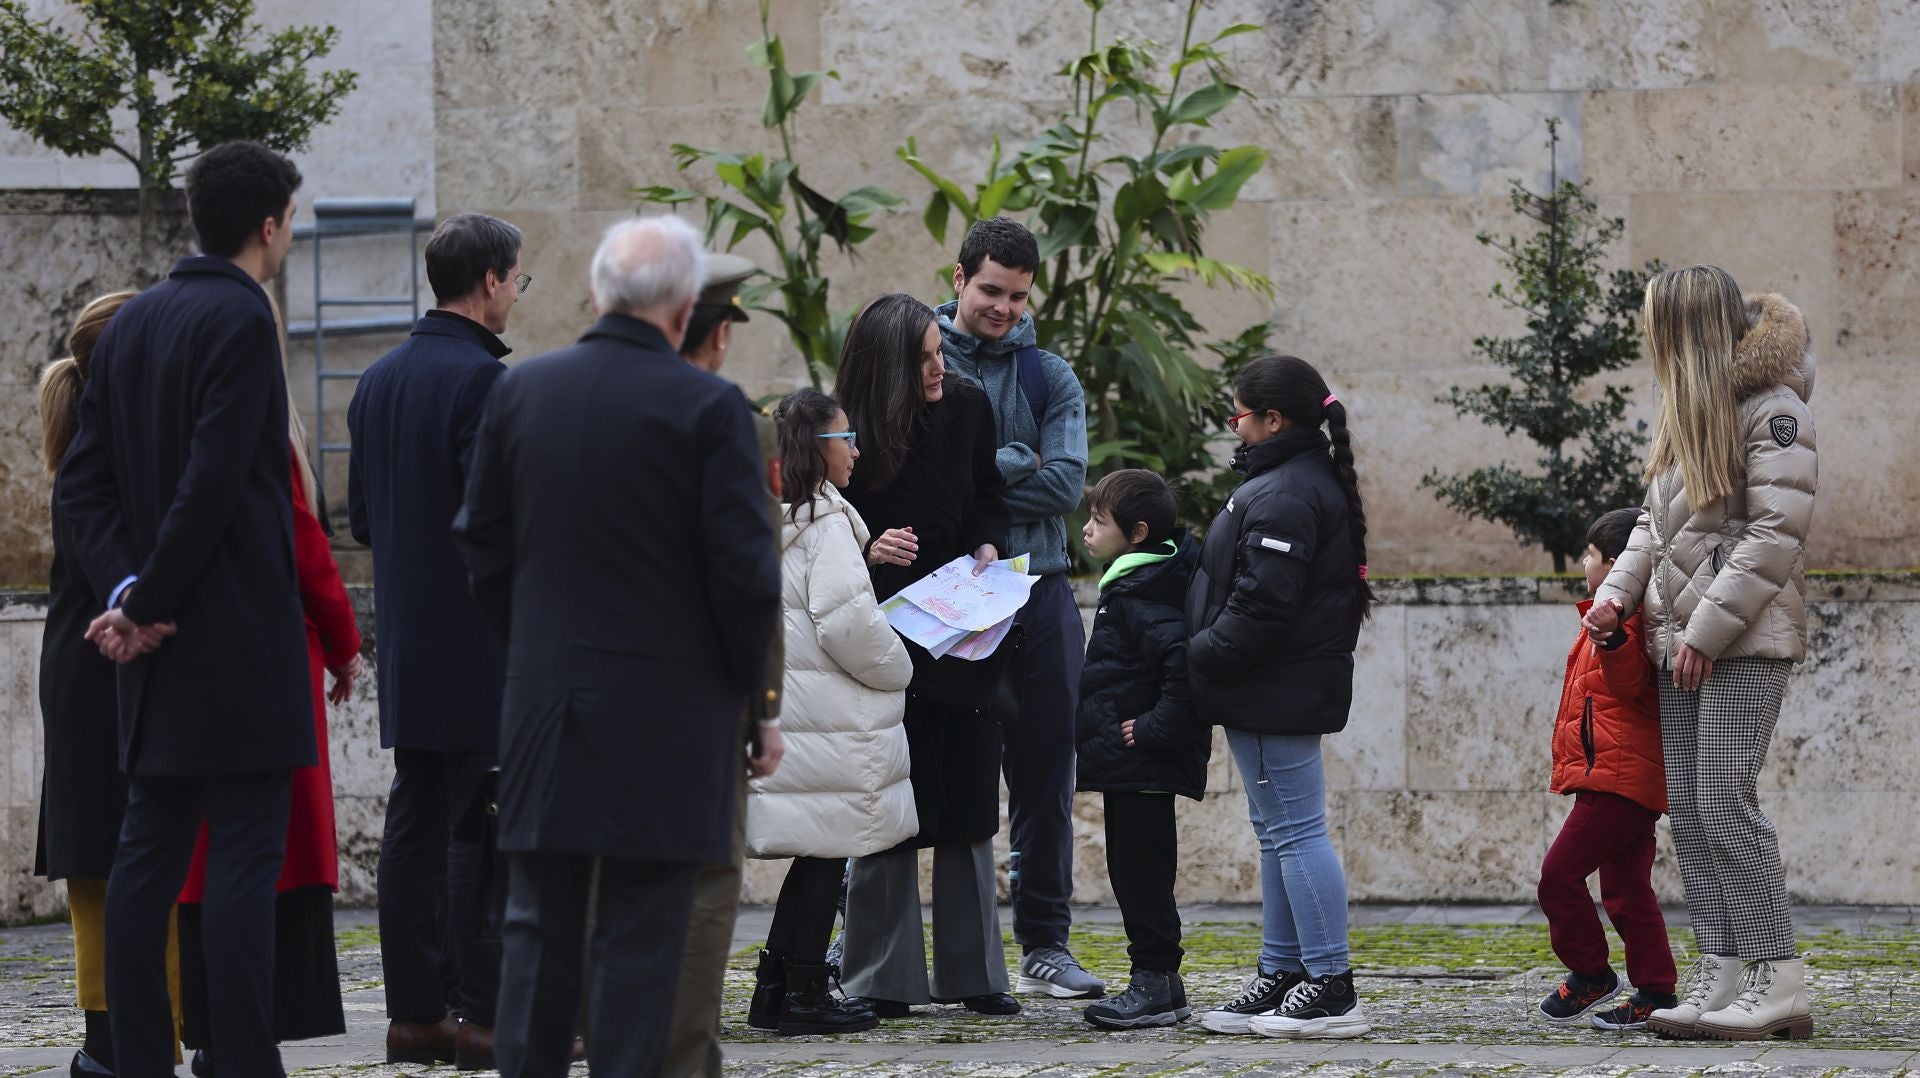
[{"x": 853, "y": 440}]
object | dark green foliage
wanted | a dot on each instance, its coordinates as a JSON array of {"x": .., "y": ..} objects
[
  {"x": 223, "y": 79},
  {"x": 1580, "y": 325},
  {"x": 1117, "y": 232},
  {"x": 767, "y": 196}
]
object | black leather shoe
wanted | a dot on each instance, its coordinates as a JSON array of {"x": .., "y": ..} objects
[
  {"x": 994, "y": 1003},
  {"x": 86, "y": 1065},
  {"x": 882, "y": 1008},
  {"x": 202, "y": 1066}
]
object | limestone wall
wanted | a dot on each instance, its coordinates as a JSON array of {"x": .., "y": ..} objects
[
  {"x": 1779, "y": 140},
  {"x": 1437, "y": 786}
]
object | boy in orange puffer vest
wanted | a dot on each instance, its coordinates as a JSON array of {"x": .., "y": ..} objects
[{"x": 1606, "y": 752}]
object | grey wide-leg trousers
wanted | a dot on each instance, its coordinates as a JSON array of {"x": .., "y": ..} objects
[{"x": 885, "y": 949}]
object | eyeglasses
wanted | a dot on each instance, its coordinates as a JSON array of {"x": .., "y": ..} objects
[
  {"x": 1233, "y": 421},
  {"x": 520, "y": 283},
  {"x": 852, "y": 440}
]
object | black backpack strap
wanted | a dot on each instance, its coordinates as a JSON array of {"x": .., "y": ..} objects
[{"x": 1032, "y": 370}]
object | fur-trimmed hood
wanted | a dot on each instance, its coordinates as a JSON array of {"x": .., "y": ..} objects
[{"x": 1776, "y": 351}]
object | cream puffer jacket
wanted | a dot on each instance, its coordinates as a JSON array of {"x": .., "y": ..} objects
[
  {"x": 1727, "y": 578},
  {"x": 842, "y": 789}
]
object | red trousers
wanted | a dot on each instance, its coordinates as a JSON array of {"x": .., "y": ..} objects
[{"x": 1614, "y": 836}]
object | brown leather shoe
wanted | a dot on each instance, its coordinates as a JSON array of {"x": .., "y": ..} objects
[
  {"x": 422, "y": 1042},
  {"x": 473, "y": 1047}
]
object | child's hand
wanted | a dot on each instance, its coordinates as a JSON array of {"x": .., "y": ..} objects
[
  {"x": 1602, "y": 620},
  {"x": 1126, "y": 732}
]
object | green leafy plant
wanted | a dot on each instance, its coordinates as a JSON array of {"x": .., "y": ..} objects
[
  {"x": 1117, "y": 231},
  {"x": 766, "y": 196},
  {"x": 193, "y": 73},
  {"x": 1580, "y": 326}
]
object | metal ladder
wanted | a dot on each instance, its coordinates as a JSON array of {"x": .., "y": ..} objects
[{"x": 339, "y": 218}]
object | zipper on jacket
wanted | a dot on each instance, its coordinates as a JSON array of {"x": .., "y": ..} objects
[
  {"x": 1656, "y": 573},
  {"x": 1586, "y": 733}
]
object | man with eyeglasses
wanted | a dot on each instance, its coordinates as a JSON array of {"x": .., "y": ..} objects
[{"x": 441, "y": 669}]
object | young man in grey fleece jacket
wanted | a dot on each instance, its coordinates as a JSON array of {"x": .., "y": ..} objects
[{"x": 1045, "y": 468}]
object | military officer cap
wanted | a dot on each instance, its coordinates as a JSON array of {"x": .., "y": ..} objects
[{"x": 725, "y": 274}]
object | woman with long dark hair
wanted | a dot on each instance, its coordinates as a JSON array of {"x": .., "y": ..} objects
[
  {"x": 928, "y": 486},
  {"x": 83, "y": 794},
  {"x": 1275, "y": 612},
  {"x": 1717, "y": 561}
]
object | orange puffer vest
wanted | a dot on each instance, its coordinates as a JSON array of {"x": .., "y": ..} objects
[{"x": 1606, "y": 738}]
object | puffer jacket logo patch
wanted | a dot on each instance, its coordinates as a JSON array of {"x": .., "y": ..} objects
[{"x": 1785, "y": 429}]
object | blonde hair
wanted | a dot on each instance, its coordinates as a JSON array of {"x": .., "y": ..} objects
[
  {"x": 1693, "y": 320},
  {"x": 296, "y": 430},
  {"x": 65, "y": 379}
]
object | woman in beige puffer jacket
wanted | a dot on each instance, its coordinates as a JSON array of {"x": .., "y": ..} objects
[
  {"x": 843, "y": 788},
  {"x": 1720, "y": 577}
]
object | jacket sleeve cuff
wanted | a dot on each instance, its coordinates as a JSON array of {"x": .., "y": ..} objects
[{"x": 113, "y": 598}]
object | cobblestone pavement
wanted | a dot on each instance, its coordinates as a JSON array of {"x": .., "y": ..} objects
[{"x": 1450, "y": 991}]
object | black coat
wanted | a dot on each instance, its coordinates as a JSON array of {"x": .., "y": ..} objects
[
  {"x": 413, "y": 419},
  {"x": 83, "y": 795},
  {"x": 1274, "y": 610},
  {"x": 948, "y": 491},
  {"x": 179, "y": 474},
  {"x": 616, "y": 527},
  {"x": 1137, "y": 669}
]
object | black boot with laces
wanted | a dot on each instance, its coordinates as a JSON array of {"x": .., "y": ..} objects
[
  {"x": 811, "y": 1006},
  {"x": 1152, "y": 998}
]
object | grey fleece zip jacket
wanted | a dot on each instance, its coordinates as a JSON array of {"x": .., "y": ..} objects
[{"x": 1045, "y": 467}]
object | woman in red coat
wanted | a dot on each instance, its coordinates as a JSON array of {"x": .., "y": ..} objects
[{"x": 306, "y": 980}]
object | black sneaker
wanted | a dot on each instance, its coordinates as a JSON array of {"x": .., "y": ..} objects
[
  {"x": 1318, "y": 1008},
  {"x": 1262, "y": 993},
  {"x": 1633, "y": 1013},
  {"x": 1152, "y": 998},
  {"x": 1577, "y": 996}
]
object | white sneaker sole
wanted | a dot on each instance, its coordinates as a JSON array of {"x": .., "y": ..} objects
[
  {"x": 1338, "y": 1028},
  {"x": 1232, "y": 1023},
  {"x": 1037, "y": 986}
]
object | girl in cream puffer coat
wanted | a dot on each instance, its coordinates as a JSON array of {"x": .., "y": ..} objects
[
  {"x": 842, "y": 789},
  {"x": 1717, "y": 561}
]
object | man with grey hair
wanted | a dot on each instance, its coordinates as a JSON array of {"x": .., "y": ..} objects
[
  {"x": 440, "y": 668},
  {"x": 615, "y": 526}
]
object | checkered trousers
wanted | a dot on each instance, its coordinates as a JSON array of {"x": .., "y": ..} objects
[{"x": 1715, "y": 742}]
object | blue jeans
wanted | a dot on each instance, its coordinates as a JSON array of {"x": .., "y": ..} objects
[{"x": 1303, "y": 889}]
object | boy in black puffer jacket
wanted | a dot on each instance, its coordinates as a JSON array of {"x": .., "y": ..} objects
[{"x": 1138, "y": 742}]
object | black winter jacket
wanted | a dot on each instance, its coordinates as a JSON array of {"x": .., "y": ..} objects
[
  {"x": 1136, "y": 669},
  {"x": 1274, "y": 610}
]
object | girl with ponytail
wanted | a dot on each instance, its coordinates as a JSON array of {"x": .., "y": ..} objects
[
  {"x": 1274, "y": 614},
  {"x": 83, "y": 795}
]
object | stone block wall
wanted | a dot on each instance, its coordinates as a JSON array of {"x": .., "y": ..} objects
[
  {"x": 1779, "y": 140},
  {"x": 1437, "y": 787},
  {"x": 1776, "y": 140}
]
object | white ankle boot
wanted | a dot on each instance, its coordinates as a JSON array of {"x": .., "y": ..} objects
[
  {"x": 1712, "y": 983},
  {"x": 1772, "y": 1003}
]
